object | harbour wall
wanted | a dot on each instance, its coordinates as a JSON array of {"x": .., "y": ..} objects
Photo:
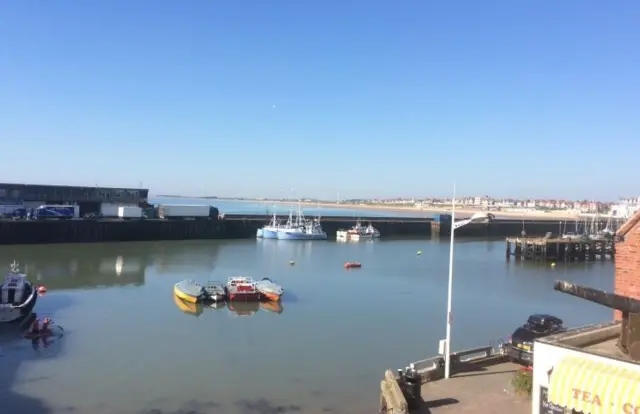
[{"x": 243, "y": 227}]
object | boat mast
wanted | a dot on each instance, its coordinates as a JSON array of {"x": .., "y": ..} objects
[{"x": 299, "y": 219}]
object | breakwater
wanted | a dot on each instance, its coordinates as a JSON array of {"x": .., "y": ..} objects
[{"x": 242, "y": 227}]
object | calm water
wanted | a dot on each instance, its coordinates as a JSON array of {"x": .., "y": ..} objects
[
  {"x": 247, "y": 207},
  {"x": 129, "y": 349}
]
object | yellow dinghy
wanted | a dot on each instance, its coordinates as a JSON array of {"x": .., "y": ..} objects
[{"x": 189, "y": 291}]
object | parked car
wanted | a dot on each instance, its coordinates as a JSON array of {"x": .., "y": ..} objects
[
  {"x": 93, "y": 216},
  {"x": 520, "y": 346}
]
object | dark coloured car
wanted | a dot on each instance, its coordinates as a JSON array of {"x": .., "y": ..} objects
[
  {"x": 93, "y": 216},
  {"x": 520, "y": 347}
]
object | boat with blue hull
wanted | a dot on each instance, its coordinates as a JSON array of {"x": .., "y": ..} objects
[
  {"x": 307, "y": 230},
  {"x": 270, "y": 231}
]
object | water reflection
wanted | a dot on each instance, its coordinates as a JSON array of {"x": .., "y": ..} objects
[
  {"x": 109, "y": 264},
  {"x": 18, "y": 351},
  {"x": 194, "y": 256},
  {"x": 271, "y": 306},
  {"x": 84, "y": 266},
  {"x": 235, "y": 308},
  {"x": 295, "y": 249},
  {"x": 194, "y": 309},
  {"x": 216, "y": 305}
]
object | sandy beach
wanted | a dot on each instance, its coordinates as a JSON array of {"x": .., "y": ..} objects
[{"x": 462, "y": 211}]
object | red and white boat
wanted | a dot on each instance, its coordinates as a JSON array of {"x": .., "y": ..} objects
[{"x": 242, "y": 288}]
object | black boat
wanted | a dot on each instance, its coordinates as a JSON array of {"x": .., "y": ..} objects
[{"x": 18, "y": 296}]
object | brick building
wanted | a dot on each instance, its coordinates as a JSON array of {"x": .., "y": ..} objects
[{"x": 627, "y": 260}]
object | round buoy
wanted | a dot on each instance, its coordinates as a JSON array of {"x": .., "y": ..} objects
[
  {"x": 419, "y": 252},
  {"x": 291, "y": 262},
  {"x": 553, "y": 265},
  {"x": 42, "y": 289}
]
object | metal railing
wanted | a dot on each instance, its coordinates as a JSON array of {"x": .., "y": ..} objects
[{"x": 429, "y": 368}]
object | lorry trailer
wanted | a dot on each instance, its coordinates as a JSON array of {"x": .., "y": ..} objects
[
  {"x": 187, "y": 211},
  {"x": 129, "y": 212}
]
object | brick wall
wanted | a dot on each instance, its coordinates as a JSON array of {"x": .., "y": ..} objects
[{"x": 627, "y": 263}]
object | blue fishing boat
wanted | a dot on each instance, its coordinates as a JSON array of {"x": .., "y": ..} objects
[
  {"x": 301, "y": 228},
  {"x": 270, "y": 230},
  {"x": 308, "y": 230}
]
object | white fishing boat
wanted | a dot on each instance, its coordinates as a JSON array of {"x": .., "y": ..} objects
[
  {"x": 301, "y": 228},
  {"x": 358, "y": 233},
  {"x": 269, "y": 231},
  {"x": 18, "y": 296},
  {"x": 309, "y": 230}
]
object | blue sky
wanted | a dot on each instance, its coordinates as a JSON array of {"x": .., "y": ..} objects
[{"x": 367, "y": 97}]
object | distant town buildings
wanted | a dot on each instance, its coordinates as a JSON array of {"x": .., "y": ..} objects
[{"x": 626, "y": 207}]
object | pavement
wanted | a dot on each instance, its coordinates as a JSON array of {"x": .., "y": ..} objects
[{"x": 486, "y": 390}]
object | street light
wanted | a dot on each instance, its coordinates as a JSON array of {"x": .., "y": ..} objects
[{"x": 477, "y": 217}]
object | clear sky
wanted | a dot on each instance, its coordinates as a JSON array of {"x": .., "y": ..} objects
[{"x": 366, "y": 98}]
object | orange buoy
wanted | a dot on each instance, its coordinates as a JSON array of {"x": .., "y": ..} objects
[{"x": 42, "y": 289}]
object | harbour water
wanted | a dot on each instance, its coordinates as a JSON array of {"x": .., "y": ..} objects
[
  {"x": 267, "y": 208},
  {"x": 128, "y": 349}
]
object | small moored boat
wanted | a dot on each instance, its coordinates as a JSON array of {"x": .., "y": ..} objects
[
  {"x": 269, "y": 289},
  {"x": 352, "y": 265},
  {"x": 242, "y": 288},
  {"x": 215, "y": 291},
  {"x": 18, "y": 296},
  {"x": 189, "y": 291}
]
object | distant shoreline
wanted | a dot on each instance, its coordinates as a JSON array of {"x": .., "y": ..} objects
[
  {"x": 432, "y": 210},
  {"x": 463, "y": 210}
]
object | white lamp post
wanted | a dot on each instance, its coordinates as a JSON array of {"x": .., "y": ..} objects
[{"x": 455, "y": 225}]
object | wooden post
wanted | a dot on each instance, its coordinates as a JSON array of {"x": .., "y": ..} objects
[{"x": 572, "y": 251}]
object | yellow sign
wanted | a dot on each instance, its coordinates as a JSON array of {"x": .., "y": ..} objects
[{"x": 594, "y": 399}]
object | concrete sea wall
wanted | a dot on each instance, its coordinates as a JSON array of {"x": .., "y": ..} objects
[{"x": 242, "y": 227}]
